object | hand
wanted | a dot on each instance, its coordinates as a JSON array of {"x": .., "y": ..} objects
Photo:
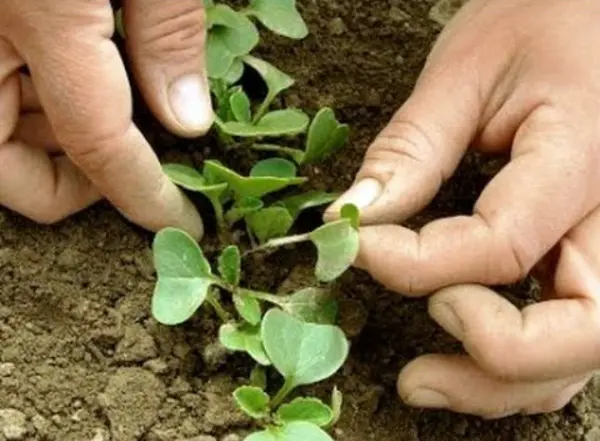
[
  {"x": 66, "y": 133},
  {"x": 518, "y": 77}
]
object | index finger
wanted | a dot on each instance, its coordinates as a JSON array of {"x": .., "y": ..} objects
[
  {"x": 540, "y": 195},
  {"x": 83, "y": 87}
]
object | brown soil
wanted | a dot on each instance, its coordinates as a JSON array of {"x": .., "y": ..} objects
[{"x": 81, "y": 360}]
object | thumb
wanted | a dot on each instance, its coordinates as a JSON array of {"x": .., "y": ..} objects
[
  {"x": 419, "y": 149},
  {"x": 166, "y": 42}
]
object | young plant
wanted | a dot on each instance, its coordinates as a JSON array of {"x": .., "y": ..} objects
[
  {"x": 186, "y": 279},
  {"x": 296, "y": 336},
  {"x": 302, "y": 353},
  {"x": 243, "y": 195}
]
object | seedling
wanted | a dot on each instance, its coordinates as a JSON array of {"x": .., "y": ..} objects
[
  {"x": 294, "y": 334},
  {"x": 185, "y": 277},
  {"x": 297, "y": 336},
  {"x": 243, "y": 195}
]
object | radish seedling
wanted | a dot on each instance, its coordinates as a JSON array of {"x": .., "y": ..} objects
[
  {"x": 185, "y": 276},
  {"x": 303, "y": 353},
  {"x": 243, "y": 194}
]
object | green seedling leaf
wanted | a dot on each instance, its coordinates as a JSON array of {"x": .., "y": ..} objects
[
  {"x": 325, "y": 136},
  {"x": 280, "y": 16},
  {"x": 235, "y": 72},
  {"x": 352, "y": 213},
  {"x": 276, "y": 81},
  {"x": 337, "y": 400},
  {"x": 314, "y": 305},
  {"x": 258, "y": 377},
  {"x": 310, "y": 410},
  {"x": 276, "y": 123},
  {"x": 184, "y": 276},
  {"x": 231, "y": 35},
  {"x": 295, "y": 431},
  {"x": 243, "y": 208},
  {"x": 304, "y": 353},
  {"x": 244, "y": 338},
  {"x": 191, "y": 179},
  {"x": 208, "y": 3},
  {"x": 296, "y": 204},
  {"x": 338, "y": 245},
  {"x": 230, "y": 263},
  {"x": 240, "y": 106},
  {"x": 219, "y": 58},
  {"x": 238, "y": 32},
  {"x": 270, "y": 223},
  {"x": 253, "y": 401},
  {"x": 274, "y": 167},
  {"x": 249, "y": 187},
  {"x": 248, "y": 308}
]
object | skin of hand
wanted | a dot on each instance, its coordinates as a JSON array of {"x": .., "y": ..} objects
[
  {"x": 67, "y": 138},
  {"x": 519, "y": 77}
]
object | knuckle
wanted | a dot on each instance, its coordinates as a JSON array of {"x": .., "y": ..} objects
[
  {"x": 492, "y": 357},
  {"x": 94, "y": 152},
  {"x": 177, "y": 31}
]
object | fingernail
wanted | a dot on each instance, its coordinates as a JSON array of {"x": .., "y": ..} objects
[
  {"x": 446, "y": 317},
  {"x": 427, "y": 398},
  {"x": 191, "y": 103},
  {"x": 363, "y": 194}
]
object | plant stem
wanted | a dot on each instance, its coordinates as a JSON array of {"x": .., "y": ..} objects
[
  {"x": 275, "y": 148},
  {"x": 265, "y": 296},
  {"x": 282, "y": 241},
  {"x": 219, "y": 310},
  {"x": 263, "y": 108},
  {"x": 287, "y": 387}
]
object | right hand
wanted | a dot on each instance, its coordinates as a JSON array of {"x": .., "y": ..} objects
[{"x": 66, "y": 133}]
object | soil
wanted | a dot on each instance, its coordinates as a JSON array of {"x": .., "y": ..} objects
[{"x": 81, "y": 360}]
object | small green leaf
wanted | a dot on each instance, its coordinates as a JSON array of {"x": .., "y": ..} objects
[
  {"x": 270, "y": 223},
  {"x": 230, "y": 262},
  {"x": 242, "y": 208},
  {"x": 240, "y": 106},
  {"x": 275, "y": 168},
  {"x": 208, "y": 4},
  {"x": 258, "y": 377},
  {"x": 325, "y": 136},
  {"x": 296, "y": 204},
  {"x": 219, "y": 58},
  {"x": 351, "y": 212},
  {"x": 248, "y": 308},
  {"x": 280, "y": 16},
  {"x": 184, "y": 276},
  {"x": 244, "y": 338},
  {"x": 231, "y": 35},
  {"x": 337, "y": 400},
  {"x": 304, "y": 353},
  {"x": 295, "y": 431},
  {"x": 314, "y": 305},
  {"x": 275, "y": 123},
  {"x": 338, "y": 245},
  {"x": 252, "y": 400},
  {"x": 276, "y": 80},
  {"x": 311, "y": 410},
  {"x": 238, "y": 33},
  {"x": 249, "y": 187},
  {"x": 191, "y": 179},
  {"x": 235, "y": 72}
]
